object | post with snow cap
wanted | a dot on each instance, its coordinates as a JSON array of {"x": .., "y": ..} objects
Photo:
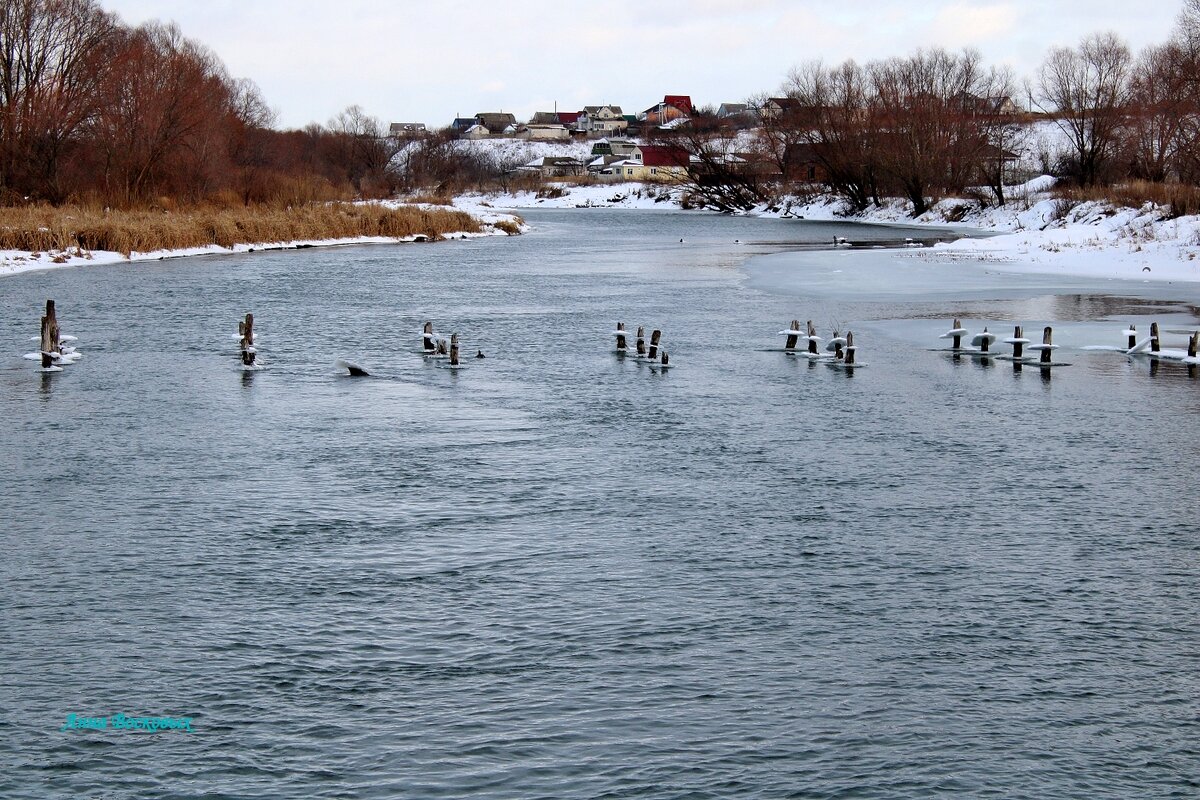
[
  {"x": 441, "y": 347},
  {"x": 641, "y": 340},
  {"x": 427, "y": 342},
  {"x": 454, "y": 349},
  {"x": 984, "y": 340},
  {"x": 1193, "y": 344},
  {"x": 1047, "y": 344},
  {"x": 655, "y": 336},
  {"x": 1155, "y": 346},
  {"x": 812, "y": 339},
  {"x": 621, "y": 345},
  {"x": 666, "y": 362},
  {"x": 1018, "y": 342},
  {"x": 850, "y": 348},
  {"x": 956, "y": 333},
  {"x": 1131, "y": 333},
  {"x": 793, "y": 335},
  {"x": 246, "y": 329}
]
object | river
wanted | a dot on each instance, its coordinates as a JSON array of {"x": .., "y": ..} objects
[{"x": 556, "y": 573}]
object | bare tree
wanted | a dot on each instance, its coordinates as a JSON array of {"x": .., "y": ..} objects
[
  {"x": 53, "y": 59},
  {"x": 831, "y": 124},
  {"x": 1087, "y": 88}
]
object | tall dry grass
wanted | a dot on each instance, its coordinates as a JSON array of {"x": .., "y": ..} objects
[
  {"x": 1181, "y": 199},
  {"x": 46, "y": 228}
]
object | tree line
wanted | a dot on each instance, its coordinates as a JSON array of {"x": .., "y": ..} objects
[
  {"x": 95, "y": 111},
  {"x": 938, "y": 123}
]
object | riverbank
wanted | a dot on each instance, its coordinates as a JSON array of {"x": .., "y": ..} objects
[
  {"x": 1034, "y": 232},
  {"x": 48, "y": 238}
]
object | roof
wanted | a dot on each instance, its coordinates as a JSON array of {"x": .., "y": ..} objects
[
  {"x": 681, "y": 101},
  {"x": 658, "y": 155}
]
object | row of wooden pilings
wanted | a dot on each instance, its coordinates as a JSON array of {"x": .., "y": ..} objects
[
  {"x": 652, "y": 352},
  {"x": 1151, "y": 344},
  {"x": 841, "y": 348}
]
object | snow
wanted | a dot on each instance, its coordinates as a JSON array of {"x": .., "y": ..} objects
[{"x": 14, "y": 262}]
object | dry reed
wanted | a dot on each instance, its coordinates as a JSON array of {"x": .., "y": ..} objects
[
  {"x": 45, "y": 228},
  {"x": 1180, "y": 198}
]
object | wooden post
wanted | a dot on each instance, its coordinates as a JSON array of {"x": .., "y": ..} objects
[
  {"x": 1018, "y": 346},
  {"x": 45, "y": 346},
  {"x": 1193, "y": 343},
  {"x": 812, "y": 338},
  {"x": 55, "y": 334},
  {"x": 641, "y": 340},
  {"x": 441, "y": 347},
  {"x": 427, "y": 338},
  {"x": 247, "y": 330},
  {"x": 1132, "y": 337},
  {"x": 454, "y": 349},
  {"x": 1047, "y": 340},
  {"x": 665, "y": 361},
  {"x": 792, "y": 338},
  {"x": 621, "y": 346},
  {"x": 837, "y": 347},
  {"x": 1154, "y": 343},
  {"x": 957, "y": 343},
  {"x": 655, "y": 335},
  {"x": 985, "y": 343},
  {"x": 850, "y": 348}
]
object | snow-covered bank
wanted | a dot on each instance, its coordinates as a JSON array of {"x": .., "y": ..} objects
[
  {"x": 13, "y": 262},
  {"x": 1035, "y": 232}
]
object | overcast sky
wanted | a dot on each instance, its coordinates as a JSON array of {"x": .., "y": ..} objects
[{"x": 429, "y": 60}]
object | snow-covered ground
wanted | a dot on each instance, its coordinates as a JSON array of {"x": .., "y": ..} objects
[
  {"x": 13, "y": 262},
  {"x": 1036, "y": 233}
]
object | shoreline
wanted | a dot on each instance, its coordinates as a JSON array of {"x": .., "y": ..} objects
[
  {"x": 1033, "y": 233},
  {"x": 20, "y": 262}
]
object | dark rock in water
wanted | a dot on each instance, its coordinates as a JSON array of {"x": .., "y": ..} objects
[
  {"x": 480, "y": 354},
  {"x": 358, "y": 372}
]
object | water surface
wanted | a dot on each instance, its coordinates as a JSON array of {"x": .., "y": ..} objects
[{"x": 560, "y": 574}]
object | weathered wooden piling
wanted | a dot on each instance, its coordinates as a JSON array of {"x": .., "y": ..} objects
[
  {"x": 1155, "y": 345},
  {"x": 641, "y": 340},
  {"x": 665, "y": 360},
  {"x": 454, "y": 349},
  {"x": 246, "y": 329},
  {"x": 1132, "y": 334},
  {"x": 1047, "y": 344},
  {"x": 53, "y": 332},
  {"x": 1018, "y": 342},
  {"x": 850, "y": 348},
  {"x": 655, "y": 336},
  {"x": 621, "y": 345},
  {"x": 1193, "y": 343},
  {"x": 427, "y": 341},
  {"x": 793, "y": 336},
  {"x": 984, "y": 340},
  {"x": 955, "y": 334},
  {"x": 812, "y": 339}
]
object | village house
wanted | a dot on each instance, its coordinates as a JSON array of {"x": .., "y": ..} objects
[
  {"x": 650, "y": 163},
  {"x": 568, "y": 119},
  {"x": 497, "y": 123},
  {"x": 776, "y": 107},
  {"x": 543, "y": 133},
  {"x": 674, "y": 107},
  {"x": 601, "y": 121},
  {"x": 614, "y": 147},
  {"x": 407, "y": 130},
  {"x": 554, "y": 167}
]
